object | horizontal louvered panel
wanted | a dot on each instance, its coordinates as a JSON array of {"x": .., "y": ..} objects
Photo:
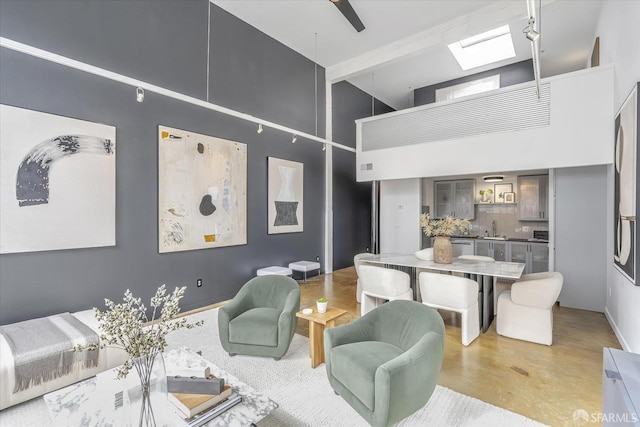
[{"x": 502, "y": 112}]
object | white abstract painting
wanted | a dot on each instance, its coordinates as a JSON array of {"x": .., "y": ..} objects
[
  {"x": 202, "y": 191},
  {"x": 57, "y": 182},
  {"x": 626, "y": 140},
  {"x": 285, "y": 199}
]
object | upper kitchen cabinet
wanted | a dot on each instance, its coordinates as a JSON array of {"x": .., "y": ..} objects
[
  {"x": 454, "y": 198},
  {"x": 533, "y": 199}
]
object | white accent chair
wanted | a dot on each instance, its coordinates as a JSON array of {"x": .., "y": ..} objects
[
  {"x": 381, "y": 284},
  {"x": 357, "y": 262},
  {"x": 526, "y": 312},
  {"x": 453, "y": 293}
]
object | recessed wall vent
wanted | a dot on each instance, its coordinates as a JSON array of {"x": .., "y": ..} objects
[{"x": 506, "y": 111}]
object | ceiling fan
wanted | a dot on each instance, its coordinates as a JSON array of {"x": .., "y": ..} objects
[{"x": 347, "y": 10}]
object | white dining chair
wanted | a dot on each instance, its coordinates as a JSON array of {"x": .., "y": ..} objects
[
  {"x": 453, "y": 293},
  {"x": 357, "y": 262},
  {"x": 380, "y": 285},
  {"x": 526, "y": 312}
]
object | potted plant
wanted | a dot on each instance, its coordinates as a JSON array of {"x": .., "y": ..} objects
[
  {"x": 442, "y": 229},
  {"x": 485, "y": 195},
  {"x": 322, "y": 305}
]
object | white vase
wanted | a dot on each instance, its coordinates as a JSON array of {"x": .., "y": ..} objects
[{"x": 322, "y": 306}]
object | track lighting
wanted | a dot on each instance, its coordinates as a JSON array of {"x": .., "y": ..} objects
[
  {"x": 139, "y": 94},
  {"x": 260, "y": 128},
  {"x": 493, "y": 178},
  {"x": 531, "y": 34},
  {"x": 294, "y": 138}
]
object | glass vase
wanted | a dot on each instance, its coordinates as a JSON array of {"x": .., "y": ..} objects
[{"x": 146, "y": 391}]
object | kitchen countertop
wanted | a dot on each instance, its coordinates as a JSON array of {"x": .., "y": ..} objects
[{"x": 502, "y": 239}]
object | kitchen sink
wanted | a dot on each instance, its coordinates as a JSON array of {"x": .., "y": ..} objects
[{"x": 494, "y": 238}]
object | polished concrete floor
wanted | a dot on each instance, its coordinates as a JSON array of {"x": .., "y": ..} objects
[{"x": 545, "y": 383}]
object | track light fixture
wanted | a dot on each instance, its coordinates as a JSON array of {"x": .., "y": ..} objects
[
  {"x": 493, "y": 178},
  {"x": 294, "y": 138},
  {"x": 260, "y": 128},
  {"x": 139, "y": 94},
  {"x": 531, "y": 34}
]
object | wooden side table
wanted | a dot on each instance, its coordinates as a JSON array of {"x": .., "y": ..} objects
[{"x": 318, "y": 322}]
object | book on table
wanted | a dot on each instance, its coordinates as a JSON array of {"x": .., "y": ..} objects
[
  {"x": 207, "y": 415},
  {"x": 190, "y": 404}
]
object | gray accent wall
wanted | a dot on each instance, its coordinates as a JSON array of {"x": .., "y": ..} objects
[
  {"x": 164, "y": 43},
  {"x": 351, "y": 229},
  {"x": 512, "y": 74}
]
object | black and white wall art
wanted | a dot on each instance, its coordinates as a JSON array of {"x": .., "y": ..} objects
[
  {"x": 57, "y": 182},
  {"x": 285, "y": 198},
  {"x": 202, "y": 191},
  {"x": 626, "y": 140}
]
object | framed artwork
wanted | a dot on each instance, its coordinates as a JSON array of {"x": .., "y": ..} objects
[
  {"x": 202, "y": 191},
  {"x": 510, "y": 197},
  {"x": 57, "y": 182},
  {"x": 285, "y": 196},
  {"x": 625, "y": 172},
  {"x": 499, "y": 191}
]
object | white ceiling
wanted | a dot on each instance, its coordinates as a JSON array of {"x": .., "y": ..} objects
[{"x": 403, "y": 46}]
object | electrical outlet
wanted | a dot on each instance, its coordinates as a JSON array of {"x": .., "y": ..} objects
[
  {"x": 199, "y": 283},
  {"x": 318, "y": 258},
  {"x": 525, "y": 229}
]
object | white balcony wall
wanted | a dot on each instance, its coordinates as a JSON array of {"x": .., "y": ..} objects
[{"x": 578, "y": 134}]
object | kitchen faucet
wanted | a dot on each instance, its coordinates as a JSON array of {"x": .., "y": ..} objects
[{"x": 493, "y": 228}]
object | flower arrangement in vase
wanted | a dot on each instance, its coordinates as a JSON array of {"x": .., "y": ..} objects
[
  {"x": 442, "y": 229},
  {"x": 127, "y": 326}
]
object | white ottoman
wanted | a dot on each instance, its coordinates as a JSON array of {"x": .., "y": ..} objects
[
  {"x": 304, "y": 267},
  {"x": 277, "y": 270}
]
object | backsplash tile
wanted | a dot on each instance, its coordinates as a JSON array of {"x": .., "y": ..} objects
[{"x": 506, "y": 218}]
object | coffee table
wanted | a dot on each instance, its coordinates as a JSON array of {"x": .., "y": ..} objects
[
  {"x": 91, "y": 402},
  {"x": 318, "y": 322}
]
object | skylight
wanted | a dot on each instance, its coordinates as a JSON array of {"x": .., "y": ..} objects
[{"x": 485, "y": 48}]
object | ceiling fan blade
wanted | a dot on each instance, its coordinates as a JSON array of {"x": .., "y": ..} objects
[{"x": 347, "y": 10}]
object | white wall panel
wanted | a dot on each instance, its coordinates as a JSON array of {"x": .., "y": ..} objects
[
  {"x": 579, "y": 135},
  {"x": 400, "y": 207}
]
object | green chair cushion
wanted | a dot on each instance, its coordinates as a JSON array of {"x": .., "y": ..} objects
[
  {"x": 355, "y": 365},
  {"x": 258, "y": 326}
]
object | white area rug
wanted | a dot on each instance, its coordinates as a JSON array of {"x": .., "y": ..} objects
[{"x": 304, "y": 394}]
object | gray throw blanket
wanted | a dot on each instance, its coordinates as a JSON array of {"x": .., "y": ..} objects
[{"x": 43, "y": 348}]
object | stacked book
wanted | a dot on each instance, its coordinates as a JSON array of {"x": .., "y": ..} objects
[{"x": 198, "y": 399}]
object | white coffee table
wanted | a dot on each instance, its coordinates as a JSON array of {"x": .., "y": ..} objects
[{"x": 91, "y": 402}]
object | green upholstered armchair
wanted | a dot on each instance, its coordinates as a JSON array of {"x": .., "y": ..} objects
[
  {"x": 386, "y": 364},
  {"x": 261, "y": 318}
]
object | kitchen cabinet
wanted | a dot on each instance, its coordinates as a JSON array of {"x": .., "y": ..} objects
[
  {"x": 496, "y": 249},
  {"x": 534, "y": 255},
  {"x": 454, "y": 198},
  {"x": 533, "y": 198}
]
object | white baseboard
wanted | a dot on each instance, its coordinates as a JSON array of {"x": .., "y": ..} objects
[{"x": 623, "y": 342}]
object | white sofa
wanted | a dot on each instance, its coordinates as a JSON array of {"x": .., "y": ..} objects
[
  {"x": 526, "y": 312},
  {"x": 108, "y": 358}
]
